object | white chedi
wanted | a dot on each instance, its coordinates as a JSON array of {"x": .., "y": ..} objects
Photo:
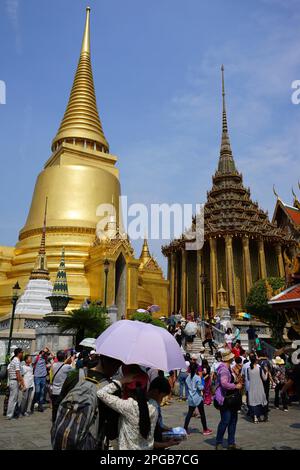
[{"x": 33, "y": 300}]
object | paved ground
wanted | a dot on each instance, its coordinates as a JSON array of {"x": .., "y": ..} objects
[{"x": 281, "y": 432}]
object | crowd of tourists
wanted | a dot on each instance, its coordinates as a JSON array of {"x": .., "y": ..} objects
[{"x": 120, "y": 406}]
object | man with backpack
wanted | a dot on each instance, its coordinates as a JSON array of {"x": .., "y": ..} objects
[
  {"x": 59, "y": 372},
  {"x": 83, "y": 422}
]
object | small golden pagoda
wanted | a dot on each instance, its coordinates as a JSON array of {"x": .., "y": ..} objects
[
  {"x": 240, "y": 246},
  {"x": 80, "y": 175}
]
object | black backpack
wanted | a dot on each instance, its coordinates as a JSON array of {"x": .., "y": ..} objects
[{"x": 83, "y": 422}]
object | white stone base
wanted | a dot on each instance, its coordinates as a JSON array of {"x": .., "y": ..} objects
[{"x": 33, "y": 300}]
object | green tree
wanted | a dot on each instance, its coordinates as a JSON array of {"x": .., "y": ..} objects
[
  {"x": 87, "y": 323},
  {"x": 257, "y": 305},
  {"x": 147, "y": 318}
]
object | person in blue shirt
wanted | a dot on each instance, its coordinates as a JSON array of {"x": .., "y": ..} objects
[{"x": 195, "y": 385}]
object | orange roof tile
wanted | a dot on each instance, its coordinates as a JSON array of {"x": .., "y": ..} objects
[
  {"x": 288, "y": 295},
  {"x": 294, "y": 214}
]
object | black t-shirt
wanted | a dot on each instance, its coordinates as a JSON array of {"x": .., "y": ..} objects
[{"x": 251, "y": 333}]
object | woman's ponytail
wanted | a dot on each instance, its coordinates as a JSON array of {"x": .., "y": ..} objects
[{"x": 144, "y": 418}]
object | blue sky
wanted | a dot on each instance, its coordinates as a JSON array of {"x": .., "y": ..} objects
[{"x": 157, "y": 76}]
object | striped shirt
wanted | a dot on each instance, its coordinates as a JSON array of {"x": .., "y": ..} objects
[{"x": 13, "y": 367}]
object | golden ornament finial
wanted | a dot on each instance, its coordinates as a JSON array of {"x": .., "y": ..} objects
[
  {"x": 296, "y": 200},
  {"x": 226, "y": 162},
  {"x": 42, "y": 249},
  {"x": 81, "y": 121},
  {"x": 85, "y": 48},
  {"x": 275, "y": 193}
]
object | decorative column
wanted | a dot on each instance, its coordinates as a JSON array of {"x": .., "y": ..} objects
[
  {"x": 183, "y": 282},
  {"x": 213, "y": 274},
  {"x": 177, "y": 283},
  {"x": 229, "y": 270},
  {"x": 279, "y": 260},
  {"x": 200, "y": 293},
  {"x": 262, "y": 259},
  {"x": 172, "y": 282},
  {"x": 247, "y": 264}
]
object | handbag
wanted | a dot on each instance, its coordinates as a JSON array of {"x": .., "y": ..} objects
[
  {"x": 233, "y": 400},
  {"x": 217, "y": 404}
]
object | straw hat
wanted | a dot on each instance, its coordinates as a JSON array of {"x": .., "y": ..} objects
[
  {"x": 278, "y": 361},
  {"x": 227, "y": 355}
]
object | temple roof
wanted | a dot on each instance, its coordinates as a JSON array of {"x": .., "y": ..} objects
[
  {"x": 146, "y": 259},
  {"x": 81, "y": 119},
  {"x": 229, "y": 209},
  {"x": 294, "y": 214},
  {"x": 292, "y": 294}
]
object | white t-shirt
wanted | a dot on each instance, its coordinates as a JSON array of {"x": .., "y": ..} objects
[
  {"x": 13, "y": 367},
  {"x": 27, "y": 372},
  {"x": 228, "y": 338}
]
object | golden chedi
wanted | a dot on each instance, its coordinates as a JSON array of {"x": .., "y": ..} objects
[{"x": 79, "y": 176}]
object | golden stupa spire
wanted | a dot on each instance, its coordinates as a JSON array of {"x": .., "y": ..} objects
[
  {"x": 81, "y": 123},
  {"x": 145, "y": 253},
  {"x": 226, "y": 162},
  {"x": 40, "y": 270}
]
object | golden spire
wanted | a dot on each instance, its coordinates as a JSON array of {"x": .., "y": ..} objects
[
  {"x": 42, "y": 250},
  {"x": 40, "y": 270},
  {"x": 226, "y": 162},
  {"x": 145, "y": 253},
  {"x": 81, "y": 121}
]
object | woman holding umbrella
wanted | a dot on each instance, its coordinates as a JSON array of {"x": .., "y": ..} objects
[{"x": 138, "y": 416}]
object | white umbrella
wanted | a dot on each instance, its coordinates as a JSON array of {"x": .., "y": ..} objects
[
  {"x": 134, "y": 342},
  {"x": 191, "y": 328},
  {"x": 88, "y": 343},
  {"x": 154, "y": 308}
]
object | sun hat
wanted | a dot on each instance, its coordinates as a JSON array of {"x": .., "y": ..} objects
[
  {"x": 227, "y": 355},
  {"x": 278, "y": 361}
]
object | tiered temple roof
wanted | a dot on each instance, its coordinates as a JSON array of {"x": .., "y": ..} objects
[{"x": 229, "y": 209}]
